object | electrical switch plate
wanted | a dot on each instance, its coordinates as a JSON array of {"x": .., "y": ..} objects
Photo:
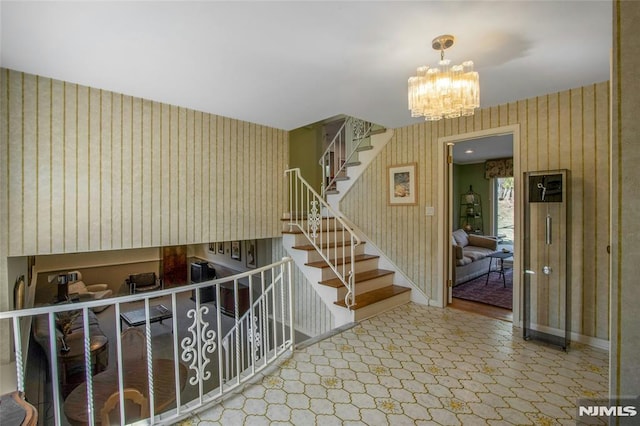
[{"x": 430, "y": 211}]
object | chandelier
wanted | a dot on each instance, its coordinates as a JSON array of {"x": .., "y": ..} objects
[{"x": 446, "y": 91}]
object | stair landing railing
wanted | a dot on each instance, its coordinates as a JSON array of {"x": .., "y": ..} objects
[
  {"x": 209, "y": 362},
  {"x": 329, "y": 234},
  {"x": 341, "y": 150}
]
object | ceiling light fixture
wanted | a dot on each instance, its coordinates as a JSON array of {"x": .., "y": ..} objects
[{"x": 444, "y": 92}]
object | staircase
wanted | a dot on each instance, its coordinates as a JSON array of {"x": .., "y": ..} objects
[
  {"x": 374, "y": 289},
  {"x": 333, "y": 258}
]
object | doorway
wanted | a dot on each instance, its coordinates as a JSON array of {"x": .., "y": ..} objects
[{"x": 477, "y": 147}]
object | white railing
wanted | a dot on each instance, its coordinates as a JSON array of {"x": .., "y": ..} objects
[
  {"x": 327, "y": 232},
  {"x": 342, "y": 150},
  {"x": 210, "y": 353}
]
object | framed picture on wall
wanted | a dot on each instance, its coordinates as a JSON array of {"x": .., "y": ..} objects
[
  {"x": 220, "y": 248},
  {"x": 251, "y": 255},
  {"x": 402, "y": 185},
  {"x": 235, "y": 250},
  {"x": 212, "y": 247}
]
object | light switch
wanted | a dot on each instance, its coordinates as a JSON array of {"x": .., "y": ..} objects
[{"x": 430, "y": 211}]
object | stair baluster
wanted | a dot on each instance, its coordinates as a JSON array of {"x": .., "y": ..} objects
[{"x": 309, "y": 212}]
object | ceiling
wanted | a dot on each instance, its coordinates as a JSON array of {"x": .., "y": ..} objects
[
  {"x": 289, "y": 64},
  {"x": 481, "y": 149}
]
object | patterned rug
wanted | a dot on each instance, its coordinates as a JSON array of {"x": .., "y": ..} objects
[{"x": 492, "y": 293}]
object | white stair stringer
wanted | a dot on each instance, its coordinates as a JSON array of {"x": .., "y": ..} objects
[
  {"x": 378, "y": 141},
  {"x": 341, "y": 316},
  {"x": 417, "y": 295}
]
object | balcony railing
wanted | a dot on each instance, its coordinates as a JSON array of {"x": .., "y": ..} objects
[{"x": 213, "y": 348}]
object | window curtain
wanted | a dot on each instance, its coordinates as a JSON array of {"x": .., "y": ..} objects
[{"x": 502, "y": 167}]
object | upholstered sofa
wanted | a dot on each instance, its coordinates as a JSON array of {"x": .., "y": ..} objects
[
  {"x": 89, "y": 292},
  {"x": 471, "y": 255}
]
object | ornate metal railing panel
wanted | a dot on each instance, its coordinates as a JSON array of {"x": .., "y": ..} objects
[
  {"x": 342, "y": 150},
  {"x": 329, "y": 234},
  {"x": 211, "y": 347}
]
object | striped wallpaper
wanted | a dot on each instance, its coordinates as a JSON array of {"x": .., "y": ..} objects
[
  {"x": 311, "y": 315},
  {"x": 90, "y": 170},
  {"x": 625, "y": 247},
  {"x": 568, "y": 130}
]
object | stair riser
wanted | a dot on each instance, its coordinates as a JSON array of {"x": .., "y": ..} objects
[
  {"x": 365, "y": 265},
  {"x": 368, "y": 285},
  {"x": 383, "y": 305},
  {"x": 331, "y": 237},
  {"x": 333, "y": 253}
]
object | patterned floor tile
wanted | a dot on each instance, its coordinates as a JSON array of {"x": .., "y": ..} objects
[{"x": 436, "y": 372}]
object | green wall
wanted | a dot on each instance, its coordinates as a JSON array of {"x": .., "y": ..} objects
[
  {"x": 465, "y": 175},
  {"x": 305, "y": 148}
]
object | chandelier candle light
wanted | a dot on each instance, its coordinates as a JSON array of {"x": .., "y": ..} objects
[{"x": 444, "y": 92}]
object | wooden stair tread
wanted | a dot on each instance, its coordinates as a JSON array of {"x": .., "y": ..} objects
[
  {"x": 339, "y": 260},
  {"x": 364, "y": 148},
  {"x": 331, "y": 245},
  {"x": 359, "y": 277},
  {"x": 353, "y": 164},
  {"x": 371, "y": 297}
]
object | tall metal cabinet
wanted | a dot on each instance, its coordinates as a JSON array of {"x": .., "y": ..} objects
[{"x": 546, "y": 283}]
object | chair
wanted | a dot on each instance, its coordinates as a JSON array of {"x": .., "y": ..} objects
[
  {"x": 134, "y": 345},
  {"x": 88, "y": 292},
  {"x": 140, "y": 283},
  {"x": 130, "y": 394}
]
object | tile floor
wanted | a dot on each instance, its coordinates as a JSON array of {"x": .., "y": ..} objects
[{"x": 420, "y": 365}]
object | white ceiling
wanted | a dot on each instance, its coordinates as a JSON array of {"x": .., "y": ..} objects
[
  {"x": 481, "y": 149},
  {"x": 289, "y": 64}
]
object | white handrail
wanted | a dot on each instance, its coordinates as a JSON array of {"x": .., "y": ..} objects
[
  {"x": 204, "y": 347},
  {"x": 354, "y": 130},
  {"x": 329, "y": 234}
]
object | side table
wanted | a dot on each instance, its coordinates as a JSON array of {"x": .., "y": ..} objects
[
  {"x": 72, "y": 362},
  {"x": 501, "y": 255}
]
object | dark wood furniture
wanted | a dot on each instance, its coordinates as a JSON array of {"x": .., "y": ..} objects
[
  {"x": 14, "y": 410},
  {"x": 134, "y": 376},
  {"x": 72, "y": 362},
  {"x": 137, "y": 317}
]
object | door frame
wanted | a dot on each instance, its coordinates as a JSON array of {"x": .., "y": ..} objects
[{"x": 445, "y": 211}]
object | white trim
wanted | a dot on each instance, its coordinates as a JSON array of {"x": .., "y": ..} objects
[
  {"x": 384, "y": 262},
  {"x": 443, "y": 197}
]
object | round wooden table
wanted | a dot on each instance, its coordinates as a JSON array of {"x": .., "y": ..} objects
[{"x": 134, "y": 376}]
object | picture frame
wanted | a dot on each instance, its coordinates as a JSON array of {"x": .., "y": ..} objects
[
  {"x": 236, "y": 253},
  {"x": 220, "y": 248},
  {"x": 402, "y": 185},
  {"x": 212, "y": 247},
  {"x": 251, "y": 254}
]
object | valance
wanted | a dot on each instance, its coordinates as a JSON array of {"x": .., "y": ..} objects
[{"x": 502, "y": 167}]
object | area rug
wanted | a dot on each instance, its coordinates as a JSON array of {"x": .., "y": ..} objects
[{"x": 492, "y": 293}]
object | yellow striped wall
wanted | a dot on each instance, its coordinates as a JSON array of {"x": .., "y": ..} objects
[
  {"x": 625, "y": 306},
  {"x": 88, "y": 170},
  {"x": 569, "y": 129},
  {"x": 311, "y": 315}
]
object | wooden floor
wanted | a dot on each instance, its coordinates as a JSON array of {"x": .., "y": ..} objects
[{"x": 482, "y": 309}]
